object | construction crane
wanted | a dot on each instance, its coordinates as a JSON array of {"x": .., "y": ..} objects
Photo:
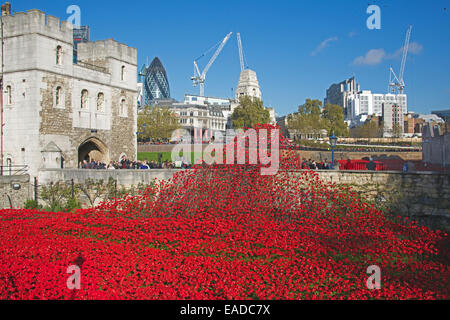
[
  {"x": 241, "y": 51},
  {"x": 397, "y": 83},
  {"x": 199, "y": 78}
]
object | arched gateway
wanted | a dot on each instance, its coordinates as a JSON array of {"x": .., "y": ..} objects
[{"x": 93, "y": 149}]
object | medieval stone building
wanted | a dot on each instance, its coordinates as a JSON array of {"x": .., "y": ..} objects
[{"x": 56, "y": 109}]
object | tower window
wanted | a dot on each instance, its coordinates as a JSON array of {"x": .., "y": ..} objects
[
  {"x": 123, "y": 107},
  {"x": 84, "y": 99},
  {"x": 59, "y": 55},
  {"x": 100, "y": 101},
  {"x": 122, "y": 73},
  {"x": 58, "y": 98},
  {"x": 9, "y": 95}
]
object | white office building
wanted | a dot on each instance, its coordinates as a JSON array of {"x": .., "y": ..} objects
[{"x": 365, "y": 103}]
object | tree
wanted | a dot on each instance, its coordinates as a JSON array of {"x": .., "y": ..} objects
[
  {"x": 370, "y": 129},
  {"x": 157, "y": 123},
  {"x": 308, "y": 119},
  {"x": 250, "y": 111},
  {"x": 397, "y": 131},
  {"x": 333, "y": 116}
]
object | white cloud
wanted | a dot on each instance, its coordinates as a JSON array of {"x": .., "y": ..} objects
[
  {"x": 376, "y": 56},
  {"x": 323, "y": 45},
  {"x": 372, "y": 57},
  {"x": 414, "y": 48}
]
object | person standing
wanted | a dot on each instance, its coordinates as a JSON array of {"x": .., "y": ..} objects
[
  {"x": 371, "y": 166},
  {"x": 337, "y": 165}
]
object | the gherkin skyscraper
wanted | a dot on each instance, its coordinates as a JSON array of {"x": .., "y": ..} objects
[{"x": 155, "y": 83}]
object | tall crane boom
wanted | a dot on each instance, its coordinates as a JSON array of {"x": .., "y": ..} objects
[
  {"x": 200, "y": 78},
  {"x": 405, "y": 53},
  {"x": 397, "y": 83},
  {"x": 241, "y": 51}
]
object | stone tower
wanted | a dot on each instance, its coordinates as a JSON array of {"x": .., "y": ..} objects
[
  {"x": 248, "y": 85},
  {"x": 56, "y": 109}
]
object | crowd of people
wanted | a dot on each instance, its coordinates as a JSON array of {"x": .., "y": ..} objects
[
  {"x": 125, "y": 163},
  {"x": 316, "y": 165},
  {"x": 353, "y": 149},
  {"x": 338, "y": 165}
]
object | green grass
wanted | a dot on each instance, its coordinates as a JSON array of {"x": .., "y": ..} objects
[{"x": 165, "y": 156}]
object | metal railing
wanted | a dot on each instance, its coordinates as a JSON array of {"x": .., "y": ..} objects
[{"x": 13, "y": 170}]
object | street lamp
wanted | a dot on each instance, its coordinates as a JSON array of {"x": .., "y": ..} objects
[{"x": 333, "y": 143}]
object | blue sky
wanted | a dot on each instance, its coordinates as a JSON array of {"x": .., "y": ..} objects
[{"x": 298, "y": 48}]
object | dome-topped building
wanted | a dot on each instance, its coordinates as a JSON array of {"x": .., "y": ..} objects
[
  {"x": 248, "y": 85},
  {"x": 155, "y": 82}
]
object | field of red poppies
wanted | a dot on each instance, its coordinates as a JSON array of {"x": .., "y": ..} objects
[{"x": 223, "y": 232}]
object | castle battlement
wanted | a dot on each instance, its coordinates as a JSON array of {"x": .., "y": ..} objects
[
  {"x": 35, "y": 21},
  {"x": 108, "y": 48}
]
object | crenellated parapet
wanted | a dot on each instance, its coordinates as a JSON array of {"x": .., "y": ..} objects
[
  {"x": 107, "y": 49},
  {"x": 35, "y": 21}
]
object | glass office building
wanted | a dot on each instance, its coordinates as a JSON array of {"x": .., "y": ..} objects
[{"x": 155, "y": 84}]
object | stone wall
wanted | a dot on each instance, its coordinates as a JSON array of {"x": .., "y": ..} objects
[
  {"x": 14, "y": 198},
  {"x": 421, "y": 196},
  {"x": 436, "y": 146},
  {"x": 124, "y": 178}
]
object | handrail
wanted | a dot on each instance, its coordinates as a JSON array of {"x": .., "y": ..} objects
[{"x": 13, "y": 170}]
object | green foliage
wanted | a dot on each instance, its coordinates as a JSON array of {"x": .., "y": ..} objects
[
  {"x": 333, "y": 118},
  {"x": 153, "y": 156},
  {"x": 32, "y": 204},
  {"x": 308, "y": 119},
  {"x": 157, "y": 123},
  {"x": 369, "y": 130},
  {"x": 72, "y": 204},
  {"x": 96, "y": 191},
  {"x": 311, "y": 118},
  {"x": 166, "y": 156},
  {"x": 396, "y": 131},
  {"x": 251, "y": 111},
  {"x": 58, "y": 197}
]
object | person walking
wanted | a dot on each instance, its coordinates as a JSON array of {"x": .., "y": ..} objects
[{"x": 405, "y": 167}]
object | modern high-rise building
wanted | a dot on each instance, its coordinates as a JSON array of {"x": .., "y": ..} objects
[
  {"x": 338, "y": 94},
  {"x": 365, "y": 103},
  {"x": 155, "y": 85},
  {"x": 393, "y": 120},
  {"x": 80, "y": 35},
  {"x": 359, "y": 104}
]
